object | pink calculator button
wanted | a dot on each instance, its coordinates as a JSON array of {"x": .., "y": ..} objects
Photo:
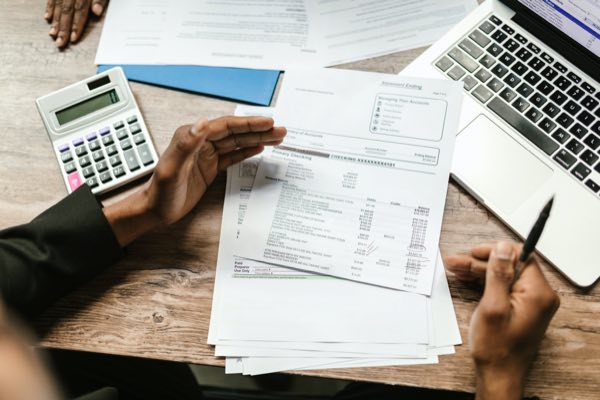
[{"x": 74, "y": 181}]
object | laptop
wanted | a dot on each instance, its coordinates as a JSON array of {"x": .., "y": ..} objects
[{"x": 530, "y": 120}]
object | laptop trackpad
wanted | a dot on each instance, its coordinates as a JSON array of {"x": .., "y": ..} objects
[{"x": 496, "y": 166}]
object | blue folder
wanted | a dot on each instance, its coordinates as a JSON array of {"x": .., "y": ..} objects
[{"x": 245, "y": 85}]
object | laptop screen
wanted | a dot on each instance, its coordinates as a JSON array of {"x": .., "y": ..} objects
[{"x": 578, "y": 19}]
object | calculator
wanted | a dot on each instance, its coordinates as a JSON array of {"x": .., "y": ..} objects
[{"x": 97, "y": 132}]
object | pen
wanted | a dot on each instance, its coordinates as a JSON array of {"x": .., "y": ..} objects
[{"x": 532, "y": 238}]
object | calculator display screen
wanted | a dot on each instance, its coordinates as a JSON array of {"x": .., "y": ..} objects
[{"x": 87, "y": 107}]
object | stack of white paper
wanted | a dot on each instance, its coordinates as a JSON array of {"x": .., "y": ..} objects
[{"x": 296, "y": 222}]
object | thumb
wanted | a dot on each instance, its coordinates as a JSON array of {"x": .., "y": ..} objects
[
  {"x": 98, "y": 7},
  {"x": 498, "y": 279}
]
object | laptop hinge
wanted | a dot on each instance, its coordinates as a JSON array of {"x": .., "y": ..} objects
[{"x": 577, "y": 57}]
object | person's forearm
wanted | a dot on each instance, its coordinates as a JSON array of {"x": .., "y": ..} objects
[
  {"x": 499, "y": 386},
  {"x": 131, "y": 217}
]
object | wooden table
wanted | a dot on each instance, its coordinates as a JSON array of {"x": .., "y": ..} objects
[{"x": 156, "y": 302}]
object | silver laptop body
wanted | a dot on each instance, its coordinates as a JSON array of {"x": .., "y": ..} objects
[{"x": 519, "y": 145}]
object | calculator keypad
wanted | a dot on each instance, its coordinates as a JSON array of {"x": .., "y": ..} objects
[{"x": 107, "y": 156}]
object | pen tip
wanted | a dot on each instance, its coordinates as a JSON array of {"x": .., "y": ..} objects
[{"x": 548, "y": 206}]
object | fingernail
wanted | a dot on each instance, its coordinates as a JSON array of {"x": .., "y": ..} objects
[
  {"x": 47, "y": 15},
  {"x": 503, "y": 251},
  {"x": 52, "y": 31},
  {"x": 97, "y": 9},
  {"x": 60, "y": 42},
  {"x": 193, "y": 130},
  {"x": 73, "y": 36}
]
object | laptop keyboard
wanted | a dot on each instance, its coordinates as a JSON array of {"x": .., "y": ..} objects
[{"x": 538, "y": 96}]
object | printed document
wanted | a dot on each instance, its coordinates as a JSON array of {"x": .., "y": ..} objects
[
  {"x": 357, "y": 190},
  {"x": 276, "y": 34}
]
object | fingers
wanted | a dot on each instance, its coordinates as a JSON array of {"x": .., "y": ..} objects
[
  {"x": 98, "y": 7},
  {"x": 55, "y": 18},
  {"x": 252, "y": 139},
  {"x": 237, "y": 156},
  {"x": 499, "y": 276},
  {"x": 66, "y": 23},
  {"x": 465, "y": 267},
  {"x": 80, "y": 17},
  {"x": 49, "y": 10},
  {"x": 223, "y": 127},
  {"x": 533, "y": 285}
]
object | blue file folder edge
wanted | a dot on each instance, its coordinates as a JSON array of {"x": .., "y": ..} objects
[{"x": 245, "y": 85}]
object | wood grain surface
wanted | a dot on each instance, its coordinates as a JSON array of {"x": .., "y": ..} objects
[{"x": 156, "y": 303}]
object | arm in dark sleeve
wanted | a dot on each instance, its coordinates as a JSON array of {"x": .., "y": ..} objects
[{"x": 61, "y": 248}]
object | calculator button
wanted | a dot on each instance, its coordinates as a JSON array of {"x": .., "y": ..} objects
[
  {"x": 105, "y": 177},
  {"x": 145, "y": 154},
  {"x": 131, "y": 160},
  {"x": 121, "y": 134},
  {"x": 74, "y": 181},
  {"x": 139, "y": 138},
  {"x": 101, "y": 165},
  {"x": 115, "y": 160},
  {"x": 118, "y": 125},
  {"x": 78, "y": 142},
  {"x": 132, "y": 119},
  {"x": 84, "y": 161},
  {"x": 66, "y": 157},
  {"x": 63, "y": 147},
  {"x": 80, "y": 151},
  {"x": 126, "y": 144},
  {"x": 135, "y": 128},
  {"x": 104, "y": 131},
  {"x": 111, "y": 150},
  {"x": 98, "y": 155},
  {"x": 87, "y": 171},
  {"x": 91, "y": 136},
  {"x": 119, "y": 171},
  {"x": 92, "y": 182},
  {"x": 95, "y": 145},
  {"x": 107, "y": 140},
  {"x": 70, "y": 167}
]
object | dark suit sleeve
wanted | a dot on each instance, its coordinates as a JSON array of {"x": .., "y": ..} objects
[{"x": 61, "y": 248}]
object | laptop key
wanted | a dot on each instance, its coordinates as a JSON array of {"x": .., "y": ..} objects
[
  {"x": 499, "y": 36},
  {"x": 574, "y": 78},
  {"x": 558, "y": 97},
  {"x": 585, "y": 118},
  {"x": 478, "y": 37},
  {"x": 549, "y": 73},
  {"x": 588, "y": 88},
  {"x": 560, "y": 67},
  {"x": 551, "y": 109},
  {"x": 589, "y": 102},
  {"x": 575, "y": 92},
  {"x": 522, "y": 125},
  {"x": 499, "y": 70},
  {"x": 562, "y": 83},
  {"x": 564, "y": 120},
  {"x": 512, "y": 80},
  {"x": 536, "y": 63},
  {"x": 574, "y": 146},
  {"x": 589, "y": 157},
  {"x": 561, "y": 136},
  {"x": 571, "y": 107},
  {"x": 538, "y": 100},
  {"x": 525, "y": 90},
  {"x": 511, "y": 45},
  {"x": 471, "y": 48},
  {"x": 547, "y": 57},
  {"x": 469, "y": 83},
  {"x": 533, "y": 48},
  {"x": 494, "y": 49},
  {"x": 506, "y": 58},
  {"x": 581, "y": 171},
  {"x": 460, "y": 57},
  {"x": 487, "y": 61},
  {"x": 482, "y": 93},
  {"x": 520, "y": 38},
  {"x": 483, "y": 75},
  {"x": 547, "y": 125},
  {"x": 495, "y": 20},
  {"x": 519, "y": 68},
  {"x": 596, "y": 127},
  {"x": 508, "y": 29},
  {"x": 532, "y": 77},
  {"x": 487, "y": 27},
  {"x": 592, "y": 185},
  {"x": 533, "y": 114},
  {"x": 592, "y": 141},
  {"x": 456, "y": 73},
  {"x": 495, "y": 84},
  {"x": 521, "y": 104},
  {"x": 524, "y": 54},
  {"x": 508, "y": 95},
  {"x": 565, "y": 159},
  {"x": 545, "y": 88},
  {"x": 444, "y": 63},
  {"x": 578, "y": 131}
]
